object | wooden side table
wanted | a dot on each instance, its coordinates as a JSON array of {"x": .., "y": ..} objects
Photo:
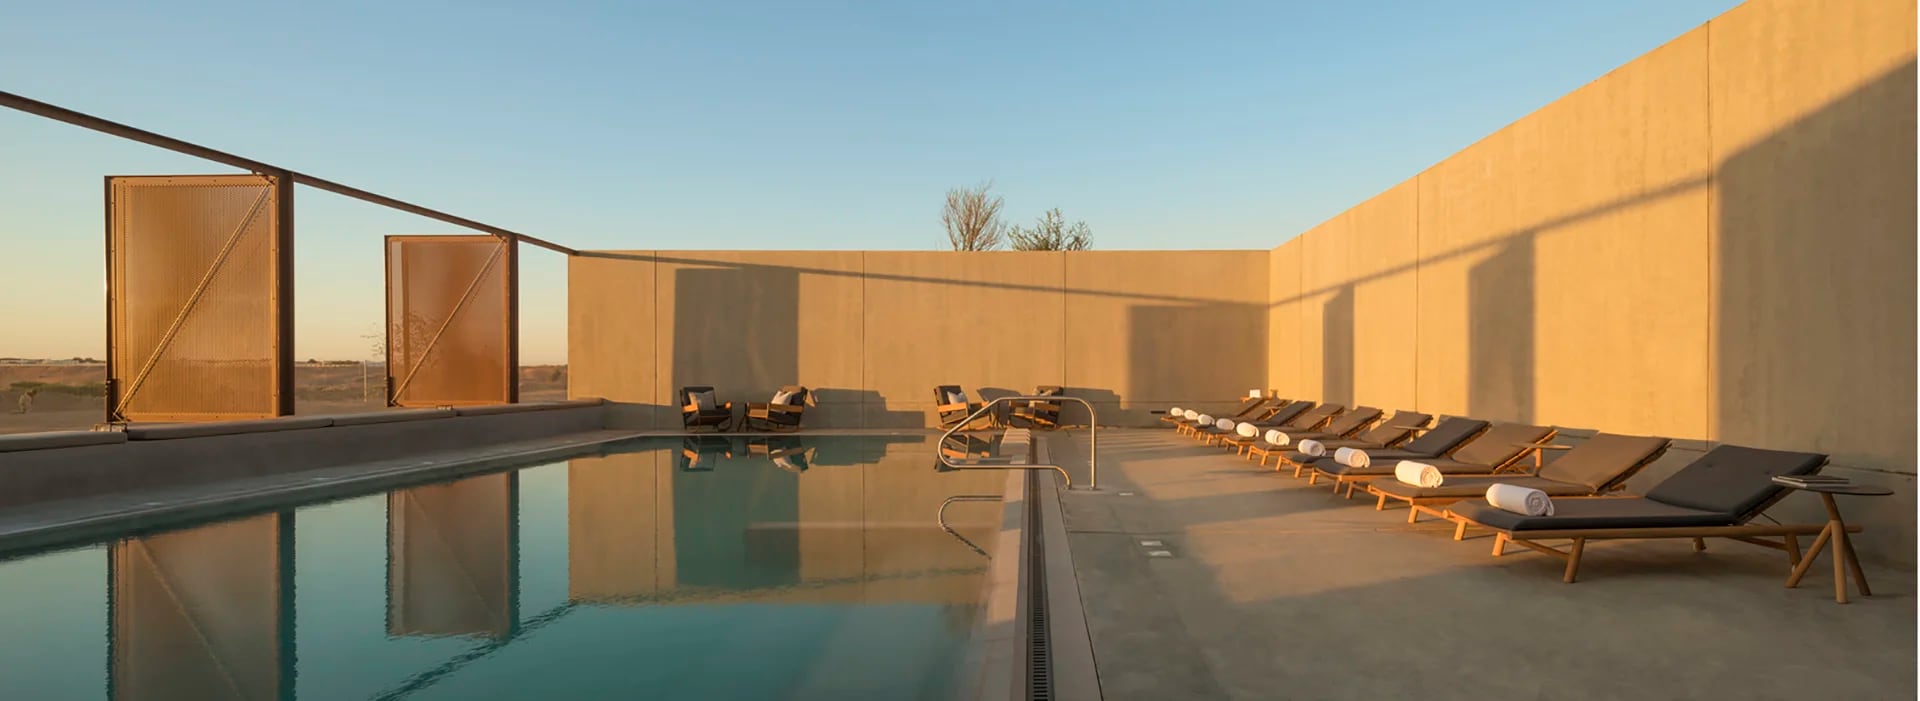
[{"x": 1835, "y": 534}]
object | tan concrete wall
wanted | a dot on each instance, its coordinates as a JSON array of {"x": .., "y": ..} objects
[
  {"x": 1713, "y": 242},
  {"x": 1150, "y": 330},
  {"x": 873, "y": 332}
]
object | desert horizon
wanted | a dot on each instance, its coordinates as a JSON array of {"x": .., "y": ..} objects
[{"x": 72, "y": 391}]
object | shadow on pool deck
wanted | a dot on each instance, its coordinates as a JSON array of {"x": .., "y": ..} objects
[{"x": 1280, "y": 590}]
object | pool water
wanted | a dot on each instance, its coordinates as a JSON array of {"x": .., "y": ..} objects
[{"x": 712, "y": 568}]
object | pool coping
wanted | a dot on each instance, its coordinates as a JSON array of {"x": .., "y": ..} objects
[{"x": 74, "y": 522}]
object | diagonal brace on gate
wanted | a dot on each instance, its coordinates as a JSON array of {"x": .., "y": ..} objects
[
  {"x": 465, "y": 297},
  {"x": 193, "y": 300}
]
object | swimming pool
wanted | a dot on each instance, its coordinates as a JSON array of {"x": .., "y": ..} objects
[{"x": 708, "y": 568}]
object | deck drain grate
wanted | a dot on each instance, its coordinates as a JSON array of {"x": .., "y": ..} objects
[{"x": 1039, "y": 654}]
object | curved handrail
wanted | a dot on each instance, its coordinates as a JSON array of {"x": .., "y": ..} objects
[
  {"x": 940, "y": 517},
  {"x": 1093, "y": 440}
]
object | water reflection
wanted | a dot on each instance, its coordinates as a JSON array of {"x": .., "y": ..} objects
[
  {"x": 204, "y": 613},
  {"x": 451, "y": 557},
  {"x": 808, "y": 558}
]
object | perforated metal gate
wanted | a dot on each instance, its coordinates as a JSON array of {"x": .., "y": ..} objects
[
  {"x": 199, "y": 297},
  {"x": 452, "y": 321}
]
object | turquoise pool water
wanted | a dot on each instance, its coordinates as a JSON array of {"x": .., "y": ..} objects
[{"x": 719, "y": 568}]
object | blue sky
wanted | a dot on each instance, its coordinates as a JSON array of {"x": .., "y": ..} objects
[{"x": 766, "y": 125}]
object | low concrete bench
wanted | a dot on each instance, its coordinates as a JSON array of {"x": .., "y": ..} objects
[
  {"x": 59, "y": 439},
  {"x": 492, "y": 409},
  {"x": 161, "y": 432}
]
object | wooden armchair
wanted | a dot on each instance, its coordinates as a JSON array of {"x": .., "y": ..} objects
[
  {"x": 700, "y": 408},
  {"x": 952, "y": 404},
  {"x": 1038, "y": 414},
  {"x": 783, "y": 412}
]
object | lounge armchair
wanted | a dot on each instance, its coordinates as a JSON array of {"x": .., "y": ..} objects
[
  {"x": 1599, "y": 465},
  {"x": 954, "y": 408},
  {"x": 1038, "y": 414},
  {"x": 783, "y": 412},
  {"x": 1716, "y": 496},
  {"x": 1387, "y": 434},
  {"x": 1494, "y": 451},
  {"x": 700, "y": 408},
  {"x": 1435, "y": 442},
  {"x": 1341, "y": 426}
]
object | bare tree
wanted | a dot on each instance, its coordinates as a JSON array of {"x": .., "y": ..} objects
[
  {"x": 1052, "y": 233},
  {"x": 972, "y": 219}
]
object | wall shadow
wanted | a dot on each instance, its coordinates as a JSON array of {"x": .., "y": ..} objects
[
  {"x": 747, "y": 350},
  {"x": 1814, "y": 296},
  {"x": 1336, "y": 348},
  {"x": 1500, "y": 325},
  {"x": 1216, "y": 351}
]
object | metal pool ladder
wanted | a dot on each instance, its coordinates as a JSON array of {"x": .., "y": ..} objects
[{"x": 1093, "y": 442}]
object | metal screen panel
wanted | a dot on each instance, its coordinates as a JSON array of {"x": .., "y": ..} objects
[
  {"x": 451, "y": 321},
  {"x": 198, "y": 297}
]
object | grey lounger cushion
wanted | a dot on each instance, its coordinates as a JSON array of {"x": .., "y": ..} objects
[
  {"x": 1604, "y": 460},
  {"x": 1285, "y": 414},
  {"x": 1596, "y": 512},
  {"x": 1733, "y": 479},
  {"x": 1469, "y": 486}
]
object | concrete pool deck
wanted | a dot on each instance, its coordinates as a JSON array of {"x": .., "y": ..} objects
[{"x": 1274, "y": 589}]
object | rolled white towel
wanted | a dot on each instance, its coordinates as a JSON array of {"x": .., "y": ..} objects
[
  {"x": 1352, "y": 457},
  {"x": 1191, "y": 415},
  {"x": 1520, "y": 500},
  {"x": 1418, "y": 474},
  {"x": 1204, "y": 420},
  {"x": 1175, "y": 412},
  {"x": 1223, "y": 424},
  {"x": 1275, "y": 438},
  {"x": 1246, "y": 430},
  {"x": 1312, "y": 447}
]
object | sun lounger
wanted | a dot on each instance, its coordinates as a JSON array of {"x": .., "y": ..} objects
[
  {"x": 1488, "y": 453},
  {"x": 1305, "y": 422},
  {"x": 1432, "y": 442},
  {"x": 1276, "y": 413},
  {"x": 1716, "y": 496},
  {"x": 1599, "y": 465},
  {"x": 1389, "y": 433},
  {"x": 1302, "y": 412},
  {"x": 1341, "y": 426}
]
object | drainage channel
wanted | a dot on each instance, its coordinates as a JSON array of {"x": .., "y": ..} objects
[
  {"x": 1039, "y": 651},
  {"x": 1059, "y": 649}
]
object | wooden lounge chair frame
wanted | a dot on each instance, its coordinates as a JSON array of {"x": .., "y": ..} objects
[
  {"x": 1744, "y": 532},
  {"x": 1429, "y": 505}
]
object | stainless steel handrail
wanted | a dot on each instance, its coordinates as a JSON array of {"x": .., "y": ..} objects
[
  {"x": 940, "y": 517},
  {"x": 1093, "y": 441}
]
